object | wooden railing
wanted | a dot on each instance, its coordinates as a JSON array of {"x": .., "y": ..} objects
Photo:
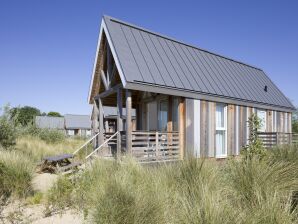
[
  {"x": 271, "y": 139},
  {"x": 149, "y": 146}
]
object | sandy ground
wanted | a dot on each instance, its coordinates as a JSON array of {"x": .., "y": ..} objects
[
  {"x": 43, "y": 182},
  {"x": 20, "y": 212}
]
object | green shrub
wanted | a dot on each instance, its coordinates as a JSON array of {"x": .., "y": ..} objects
[
  {"x": 51, "y": 136},
  {"x": 255, "y": 147},
  {"x": 16, "y": 172},
  {"x": 59, "y": 196},
  {"x": 7, "y": 133},
  {"x": 35, "y": 199}
]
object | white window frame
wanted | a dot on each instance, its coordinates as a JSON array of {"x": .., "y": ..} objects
[
  {"x": 264, "y": 127},
  {"x": 225, "y": 129}
]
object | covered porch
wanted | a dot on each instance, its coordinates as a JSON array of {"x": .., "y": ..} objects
[{"x": 157, "y": 135}]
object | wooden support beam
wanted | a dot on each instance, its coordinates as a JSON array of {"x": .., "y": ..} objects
[
  {"x": 95, "y": 122},
  {"x": 104, "y": 80},
  {"x": 100, "y": 119},
  {"x": 119, "y": 120},
  {"x": 108, "y": 92},
  {"x": 182, "y": 126},
  {"x": 128, "y": 122},
  {"x": 109, "y": 65}
]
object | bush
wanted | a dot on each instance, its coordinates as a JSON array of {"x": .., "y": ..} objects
[
  {"x": 7, "y": 133},
  {"x": 51, "y": 136},
  {"x": 59, "y": 196},
  {"x": 255, "y": 148},
  {"x": 16, "y": 171}
]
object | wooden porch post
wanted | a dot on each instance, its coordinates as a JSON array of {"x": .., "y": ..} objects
[
  {"x": 182, "y": 126},
  {"x": 95, "y": 122},
  {"x": 100, "y": 119},
  {"x": 170, "y": 124},
  {"x": 128, "y": 122},
  {"x": 119, "y": 120}
]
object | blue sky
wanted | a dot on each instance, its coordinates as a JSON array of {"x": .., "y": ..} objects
[{"x": 47, "y": 47}]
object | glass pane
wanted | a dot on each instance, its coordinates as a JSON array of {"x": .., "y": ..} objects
[
  {"x": 175, "y": 114},
  {"x": 220, "y": 143},
  {"x": 262, "y": 116},
  {"x": 163, "y": 115},
  {"x": 220, "y": 123}
]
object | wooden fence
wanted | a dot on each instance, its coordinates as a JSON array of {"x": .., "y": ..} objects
[
  {"x": 271, "y": 139},
  {"x": 148, "y": 146}
]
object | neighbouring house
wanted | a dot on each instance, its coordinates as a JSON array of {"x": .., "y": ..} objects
[
  {"x": 110, "y": 119},
  {"x": 188, "y": 101},
  {"x": 71, "y": 125},
  {"x": 77, "y": 125}
]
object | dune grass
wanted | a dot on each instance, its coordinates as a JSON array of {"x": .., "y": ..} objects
[
  {"x": 17, "y": 165},
  {"x": 16, "y": 171},
  {"x": 192, "y": 191},
  {"x": 38, "y": 149}
]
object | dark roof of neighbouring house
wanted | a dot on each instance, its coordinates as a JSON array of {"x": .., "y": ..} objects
[
  {"x": 73, "y": 121},
  {"x": 111, "y": 112},
  {"x": 150, "y": 59},
  {"x": 49, "y": 122}
]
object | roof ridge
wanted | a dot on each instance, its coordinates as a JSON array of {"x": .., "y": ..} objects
[{"x": 177, "y": 41}]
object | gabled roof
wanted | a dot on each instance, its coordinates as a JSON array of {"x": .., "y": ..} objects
[
  {"x": 49, "y": 122},
  {"x": 77, "y": 121},
  {"x": 150, "y": 61}
]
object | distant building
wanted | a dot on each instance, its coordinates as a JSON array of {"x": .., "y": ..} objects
[
  {"x": 77, "y": 125},
  {"x": 70, "y": 124},
  {"x": 50, "y": 122}
]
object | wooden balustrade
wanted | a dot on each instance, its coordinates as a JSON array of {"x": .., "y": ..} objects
[
  {"x": 149, "y": 146},
  {"x": 271, "y": 139}
]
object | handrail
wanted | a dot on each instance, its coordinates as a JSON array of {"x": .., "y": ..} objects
[
  {"x": 75, "y": 152},
  {"x": 105, "y": 142}
]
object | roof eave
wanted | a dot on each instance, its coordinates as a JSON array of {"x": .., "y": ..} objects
[{"x": 203, "y": 96}]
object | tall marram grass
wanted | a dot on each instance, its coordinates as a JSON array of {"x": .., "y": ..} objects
[
  {"x": 38, "y": 149},
  {"x": 16, "y": 172},
  {"x": 192, "y": 191}
]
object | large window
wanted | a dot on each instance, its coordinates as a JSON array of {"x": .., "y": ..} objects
[
  {"x": 163, "y": 115},
  {"x": 262, "y": 116},
  {"x": 221, "y": 130}
]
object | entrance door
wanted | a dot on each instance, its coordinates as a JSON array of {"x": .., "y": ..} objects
[{"x": 152, "y": 116}]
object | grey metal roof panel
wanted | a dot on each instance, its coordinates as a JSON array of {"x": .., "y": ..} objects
[
  {"x": 77, "y": 121},
  {"x": 112, "y": 111},
  {"x": 49, "y": 122},
  {"x": 158, "y": 60}
]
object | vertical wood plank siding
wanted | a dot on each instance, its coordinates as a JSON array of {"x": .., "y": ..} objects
[
  {"x": 290, "y": 122},
  {"x": 201, "y": 126},
  {"x": 182, "y": 108},
  {"x": 204, "y": 129},
  {"x": 231, "y": 130},
  {"x": 211, "y": 128},
  {"x": 189, "y": 127}
]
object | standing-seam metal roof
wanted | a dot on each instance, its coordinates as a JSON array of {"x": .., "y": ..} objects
[
  {"x": 147, "y": 57},
  {"x": 49, "y": 122},
  {"x": 77, "y": 121}
]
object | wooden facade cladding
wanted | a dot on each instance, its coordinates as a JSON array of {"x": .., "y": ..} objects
[{"x": 201, "y": 127}]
